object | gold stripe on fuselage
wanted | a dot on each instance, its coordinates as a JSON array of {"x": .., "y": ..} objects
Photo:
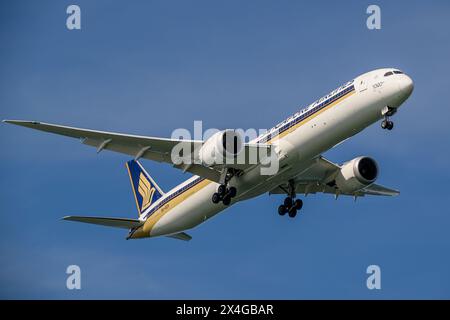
[
  {"x": 283, "y": 134},
  {"x": 158, "y": 214}
]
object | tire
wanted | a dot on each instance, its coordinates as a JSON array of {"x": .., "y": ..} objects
[
  {"x": 384, "y": 124},
  {"x": 292, "y": 212},
  {"x": 232, "y": 192},
  {"x": 221, "y": 189},
  {"x": 298, "y": 204},
  {"x": 215, "y": 197},
  {"x": 282, "y": 210},
  {"x": 390, "y": 125},
  {"x": 288, "y": 202},
  {"x": 226, "y": 201}
]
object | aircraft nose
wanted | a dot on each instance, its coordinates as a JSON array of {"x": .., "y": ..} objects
[{"x": 406, "y": 85}]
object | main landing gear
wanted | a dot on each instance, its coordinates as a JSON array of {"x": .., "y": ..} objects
[
  {"x": 225, "y": 193},
  {"x": 387, "y": 112},
  {"x": 290, "y": 204}
]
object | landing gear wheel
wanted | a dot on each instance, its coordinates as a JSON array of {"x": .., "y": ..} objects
[
  {"x": 292, "y": 212},
  {"x": 215, "y": 197},
  {"x": 288, "y": 202},
  {"x": 298, "y": 204},
  {"x": 232, "y": 192},
  {"x": 221, "y": 189},
  {"x": 387, "y": 113},
  {"x": 227, "y": 200},
  {"x": 390, "y": 125},
  {"x": 224, "y": 192},
  {"x": 282, "y": 210}
]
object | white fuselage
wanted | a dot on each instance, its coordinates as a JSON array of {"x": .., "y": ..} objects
[{"x": 299, "y": 140}]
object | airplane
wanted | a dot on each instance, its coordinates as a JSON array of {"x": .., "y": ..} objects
[{"x": 297, "y": 143}]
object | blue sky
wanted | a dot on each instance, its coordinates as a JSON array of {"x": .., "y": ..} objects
[{"x": 150, "y": 67}]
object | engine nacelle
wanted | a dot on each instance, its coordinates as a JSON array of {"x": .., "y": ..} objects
[
  {"x": 357, "y": 174},
  {"x": 222, "y": 147}
]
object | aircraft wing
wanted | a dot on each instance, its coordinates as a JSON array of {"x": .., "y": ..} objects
[
  {"x": 152, "y": 148},
  {"x": 322, "y": 171}
]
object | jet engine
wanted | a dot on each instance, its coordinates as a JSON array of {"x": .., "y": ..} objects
[
  {"x": 222, "y": 147},
  {"x": 357, "y": 174}
]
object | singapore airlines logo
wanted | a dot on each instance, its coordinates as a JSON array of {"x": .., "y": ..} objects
[{"x": 146, "y": 191}]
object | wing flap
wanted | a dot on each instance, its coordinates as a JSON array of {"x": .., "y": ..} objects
[
  {"x": 313, "y": 187},
  {"x": 379, "y": 190},
  {"x": 107, "y": 222}
]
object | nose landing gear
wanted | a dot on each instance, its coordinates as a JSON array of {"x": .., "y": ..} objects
[
  {"x": 387, "y": 124},
  {"x": 387, "y": 112}
]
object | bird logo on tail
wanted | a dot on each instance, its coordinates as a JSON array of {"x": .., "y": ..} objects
[{"x": 146, "y": 191}]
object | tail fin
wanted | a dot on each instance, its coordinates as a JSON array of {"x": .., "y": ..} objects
[{"x": 145, "y": 189}]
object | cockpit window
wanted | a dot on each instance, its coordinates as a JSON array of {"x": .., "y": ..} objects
[
  {"x": 398, "y": 72},
  {"x": 387, "y": 74}
]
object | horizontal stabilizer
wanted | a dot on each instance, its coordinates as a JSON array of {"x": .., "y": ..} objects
[
  {"x": 108, "y": 222},
  {"x": 181, "y": 236}
]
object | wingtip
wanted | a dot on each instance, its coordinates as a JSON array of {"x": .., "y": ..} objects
[{"x": 19, "y": 122}]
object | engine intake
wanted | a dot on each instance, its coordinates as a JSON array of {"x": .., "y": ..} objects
[
  {"x": 222, "y": 147},
  {"x": 357, "y": 174}
]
